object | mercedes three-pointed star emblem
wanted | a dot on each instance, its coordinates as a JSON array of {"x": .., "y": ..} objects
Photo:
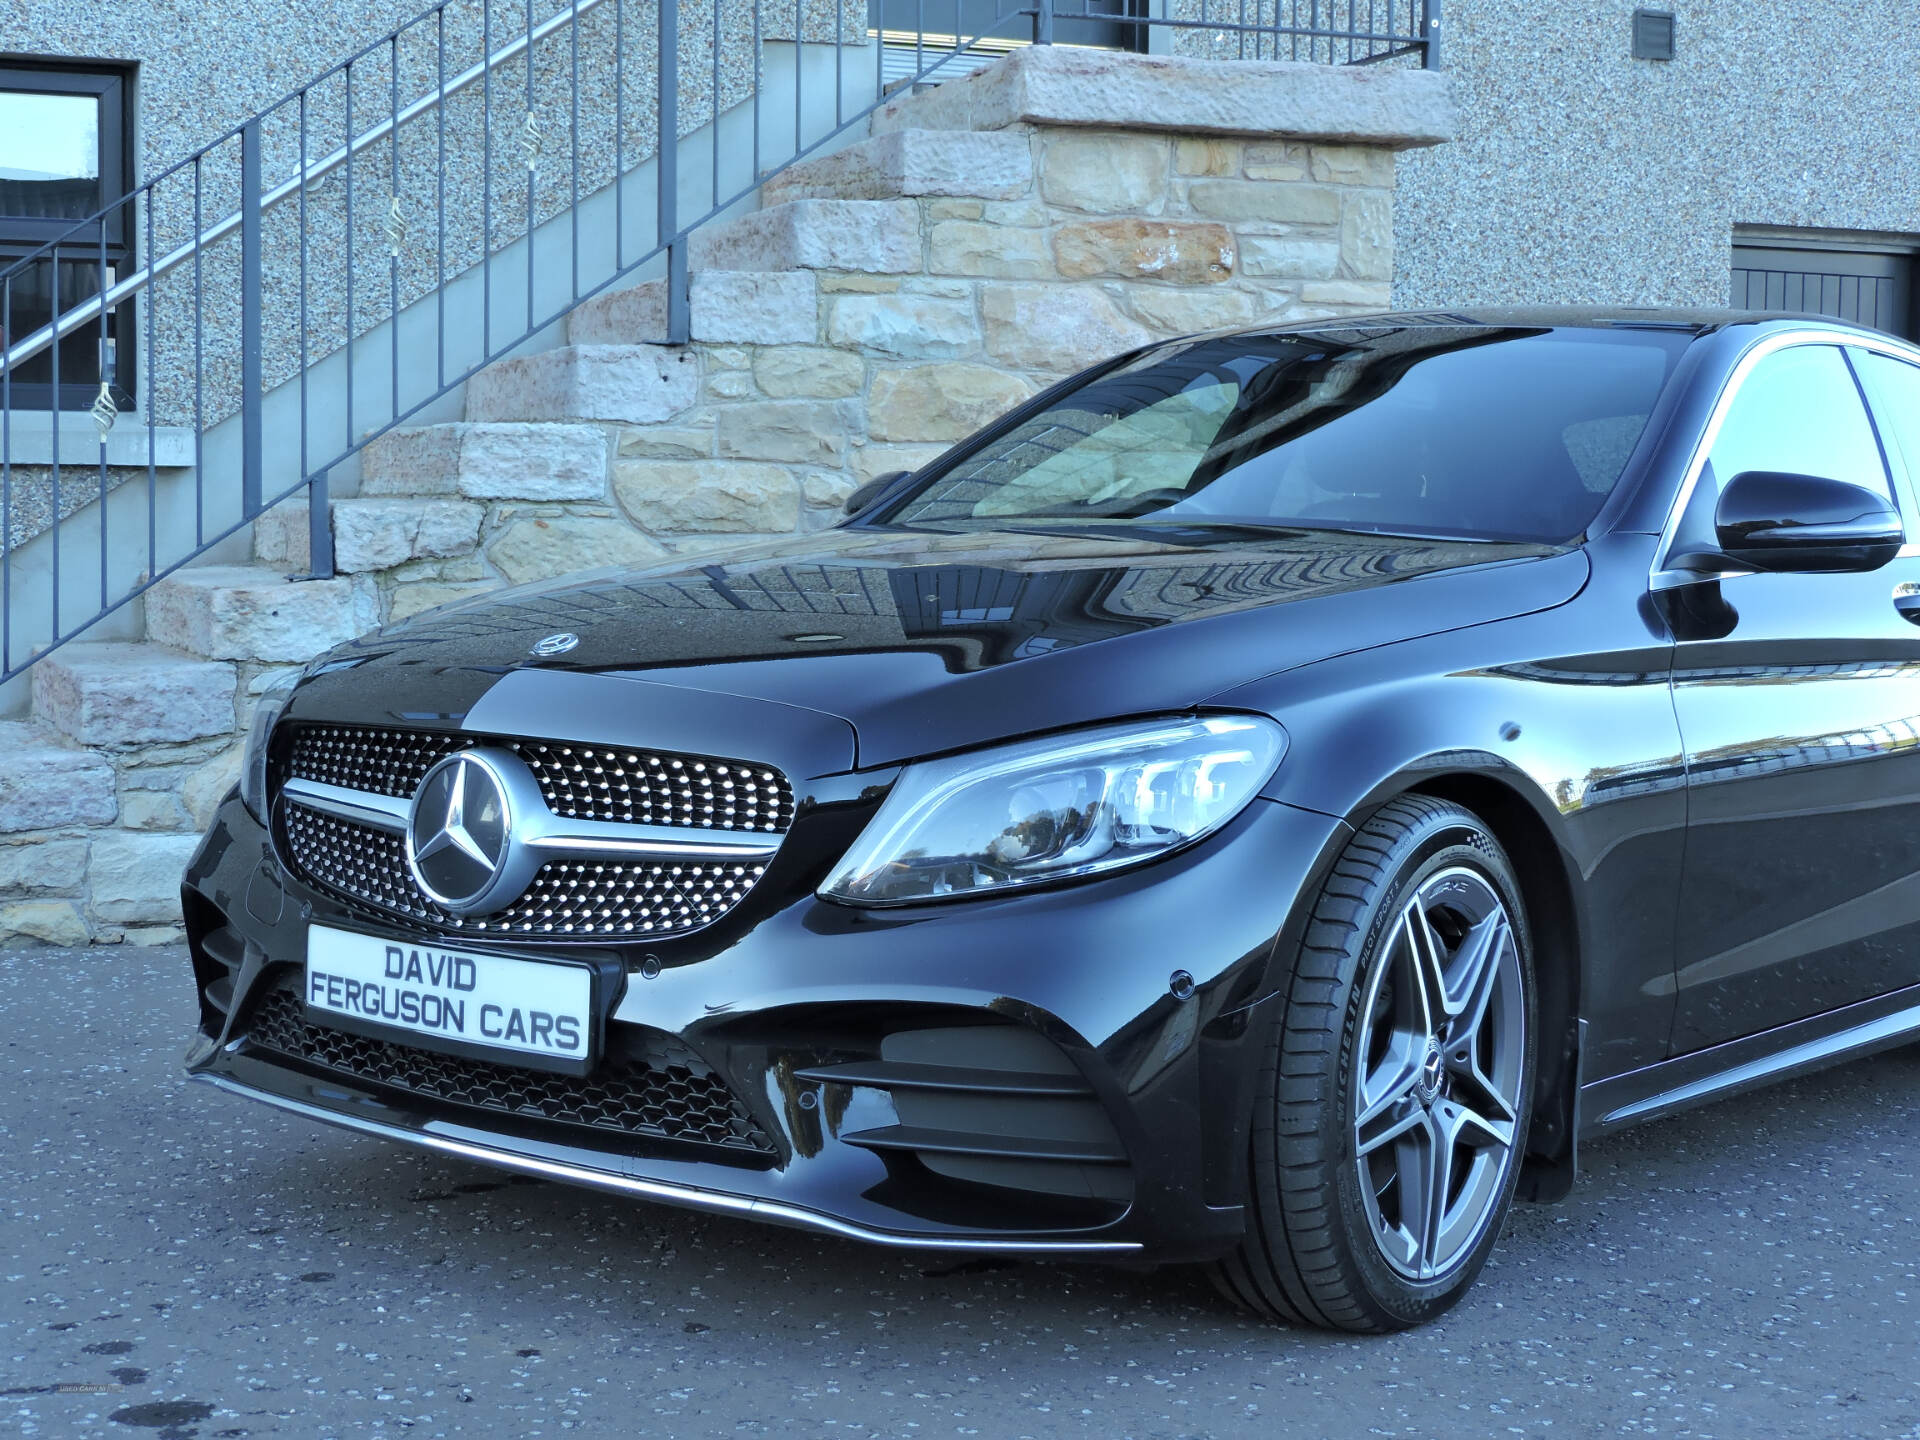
[{"x": 460, "y": 833}]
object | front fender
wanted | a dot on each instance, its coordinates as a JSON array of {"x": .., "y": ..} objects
[{"x": 1569, "y": 713}]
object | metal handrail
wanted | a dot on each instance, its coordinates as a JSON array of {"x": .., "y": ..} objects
[
  {"x": 220, "y": 392},
  {"x": 89, "y": 310}
]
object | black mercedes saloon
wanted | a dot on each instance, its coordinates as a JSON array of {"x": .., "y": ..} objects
[{"x": 1263, "y": 803}]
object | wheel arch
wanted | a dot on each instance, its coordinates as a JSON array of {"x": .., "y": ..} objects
[{"x": 1516, "y": 812}]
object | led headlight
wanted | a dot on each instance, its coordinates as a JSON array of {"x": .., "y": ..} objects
[
  {"x": 253, "y": 762},
  {"x": 1056, "y": 808}
]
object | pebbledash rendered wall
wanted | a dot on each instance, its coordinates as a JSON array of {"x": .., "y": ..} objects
[
  {"x": 1580, "y": 174},
  {"x": 992, "y": 235}
]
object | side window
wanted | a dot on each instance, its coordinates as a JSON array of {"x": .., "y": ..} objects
[
  {"x": 1798, "y": 411},
  {"x": 1895, "y": 388}
]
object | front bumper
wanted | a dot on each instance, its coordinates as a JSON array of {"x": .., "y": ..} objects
[{"x": 1012, "y": 1075}]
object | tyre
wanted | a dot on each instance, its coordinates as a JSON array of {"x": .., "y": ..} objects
[{"x": 1390, "y": 1113}]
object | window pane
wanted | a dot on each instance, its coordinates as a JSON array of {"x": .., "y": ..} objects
[
  {"x": 1896, "y": 401},
  {"x": 49, "y": 155},
  {"x": 1799, "y": 412},
  {"x": 26, "y": 305},
  {"x": 1513, "y": 434}
]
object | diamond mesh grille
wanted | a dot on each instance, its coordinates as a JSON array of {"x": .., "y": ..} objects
[
  {"x": 584, "y": 899},
  {"x": 642, "y": 787},
  {"x": 665, "y": 1091},
  {"x": 645, "y": 787},
  {"x": 384, "y": 762}
]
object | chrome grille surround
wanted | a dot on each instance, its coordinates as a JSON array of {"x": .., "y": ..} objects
[
  {"x": 633, "y": 843},
  {"x": 587, "y": 782},
  {"x": 582, "y": 899}
]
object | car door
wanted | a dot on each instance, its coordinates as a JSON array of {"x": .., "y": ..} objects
[{"x": 1798, "y": 699}]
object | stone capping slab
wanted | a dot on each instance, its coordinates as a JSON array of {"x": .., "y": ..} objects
[{"x": 1066, "y": 85}]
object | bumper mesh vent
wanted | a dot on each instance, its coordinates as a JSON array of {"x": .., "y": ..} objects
[
  {"x": 646, "y": 787},
  {"x": 583, "y": 899},
  {"x": 660, "y": 1089}
]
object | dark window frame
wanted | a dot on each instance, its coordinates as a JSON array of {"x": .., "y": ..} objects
[{"x": 108, "y": 241}]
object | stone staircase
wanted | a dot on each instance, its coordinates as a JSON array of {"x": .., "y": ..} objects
[{"x": 883, "y": 302}]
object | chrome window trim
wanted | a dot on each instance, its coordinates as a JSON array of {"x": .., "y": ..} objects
[{"x": 1659, "y": 577}]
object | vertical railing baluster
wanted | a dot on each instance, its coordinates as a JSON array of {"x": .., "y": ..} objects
[
  {"x": 759, "y": 83},
  {"x": 54, "y": 350},
  {"x": 396, "y": 221},
  {"x": 667, "y": 170},
  {"x": 620, "y": 136},
  {"x": 199, "y": 366},
  {"x": 6, "y": 483},
  {"x": 251, "y": 439},
  {"x": 146, "y": 402},
  {"x": 486, "y": 180},
  {"x": 1431, "y": 33},
  {"x": 1043, "y": 24},
  {"x": 320, "y": 525},
  {"x": 530, "y": 141},
  {"x": 106, "y": 370},
  {"x": 300, "y": 338},
  {"x": 714, "y": 106},
  {"x": 319, "y": 516},
  {"x": 440, "y": 197},
  {"x": 573, "y": 131},
  {"x": 346, "y": 247}
]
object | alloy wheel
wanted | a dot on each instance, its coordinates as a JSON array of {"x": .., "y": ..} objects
[{"x": 1439, "y": 1068}]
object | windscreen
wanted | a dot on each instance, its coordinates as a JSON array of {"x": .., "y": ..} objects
[{"x": 1457, "y": 432}]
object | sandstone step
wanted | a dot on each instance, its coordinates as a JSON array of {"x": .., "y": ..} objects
[
  {"x": 879, "y": 237},
  {"x": 634, "y": 384},
  {"x": 48, "y": 782},
  {"x": 993, "y": 165},
  {"x": 724, "y": 307},
  {"x": 371, "y": 534},
  {"x": 242, "y": 612},
  {"x": 132, "y": 693},
  {"x": 504, "y": 461}
]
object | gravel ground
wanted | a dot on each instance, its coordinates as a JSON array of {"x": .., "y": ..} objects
[{"x": 179, "y": 1263}]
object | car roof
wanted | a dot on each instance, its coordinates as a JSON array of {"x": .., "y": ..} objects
[{"x": 1696, "y": 321}]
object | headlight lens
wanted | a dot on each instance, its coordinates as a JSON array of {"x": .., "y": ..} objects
[
  {"x": 1056, "y": 808},
  {"x": 253, "y": 764}
]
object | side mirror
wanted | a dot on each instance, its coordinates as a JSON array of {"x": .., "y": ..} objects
[
  {"x": 1775, "y": 521},
  {"x": 871, "y": 491}
]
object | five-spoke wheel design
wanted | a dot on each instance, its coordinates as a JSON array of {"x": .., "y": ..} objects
[{"x": 1440, "y": 1063}]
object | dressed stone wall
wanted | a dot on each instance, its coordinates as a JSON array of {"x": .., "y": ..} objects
[{"x": 990, "y": 237}]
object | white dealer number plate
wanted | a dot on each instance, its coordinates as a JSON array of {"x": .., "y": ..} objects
[{"x": 527, "y": 1006}]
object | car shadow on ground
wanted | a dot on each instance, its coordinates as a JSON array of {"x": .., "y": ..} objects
[{"x": 1643, "y": 1218}]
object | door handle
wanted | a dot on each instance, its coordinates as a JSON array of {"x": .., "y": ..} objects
[{"x": 1906, "y": 599}]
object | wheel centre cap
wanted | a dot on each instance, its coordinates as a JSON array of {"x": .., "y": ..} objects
[{"x": 1433, "y": 1074}]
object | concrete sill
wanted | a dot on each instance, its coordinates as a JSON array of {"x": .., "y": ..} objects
[{"x": 29, "y": 441}]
